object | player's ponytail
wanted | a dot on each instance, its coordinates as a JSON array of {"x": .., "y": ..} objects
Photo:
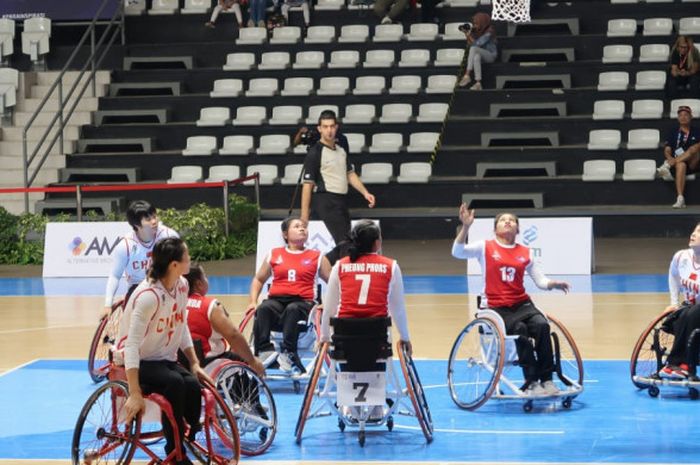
[
  {"x": 194, "y": 277},
  {"x": 165, "y": 252},
  {"x": 363, "y": 236}
]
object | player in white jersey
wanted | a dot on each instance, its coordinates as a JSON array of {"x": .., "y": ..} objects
[
  {"x": 154, "y": 327},
  {"x": 132, "y": 255},
  {"x": 684, "y": 280}
]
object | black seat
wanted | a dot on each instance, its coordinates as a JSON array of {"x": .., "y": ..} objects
[{"x": 360, "y": 343}]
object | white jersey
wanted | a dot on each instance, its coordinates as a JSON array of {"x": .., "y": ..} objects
[
  {"x": 154, "y": 324},
  {"x": 684, "y": 277},
  {"x": 132, "y": 258}
]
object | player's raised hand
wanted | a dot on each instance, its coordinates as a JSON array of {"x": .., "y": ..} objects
[{"x": 466, "y": 216}]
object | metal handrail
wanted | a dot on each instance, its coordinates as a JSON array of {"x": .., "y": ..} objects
[{"x": 116, "y": 22}]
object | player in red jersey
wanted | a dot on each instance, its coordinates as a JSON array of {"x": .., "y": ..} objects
[
  {"x": 210, "y": 326},
  {"x": 366, "y": 284},
  {"x": 504, "y": 264},
  {"x": 295, "y": 271}
]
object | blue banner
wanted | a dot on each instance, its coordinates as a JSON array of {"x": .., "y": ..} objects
[{"x": 62, "y": 10}]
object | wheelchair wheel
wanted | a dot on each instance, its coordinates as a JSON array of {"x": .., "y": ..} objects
[
  {"x": 416, "y": 392},
  {"x": 218, "y": 441},
  {"x": 570, "y": 363},
  {"x": 102, "y": 341},
  {"x": 650, "y": 351},
  {"x": 475, "y": 364},
  {"x": 246, "y": 326},
  {"x": 309, "y": 392},
  {"x": 251, "y": 404},
  {"x": 100, "y": 435}
]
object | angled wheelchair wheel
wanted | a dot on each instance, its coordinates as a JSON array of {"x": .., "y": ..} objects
[
  {"x": 102, "y": 341},
  {"x": 309, "y": 392},
  {"x": 650, "y": 351},
  {"x": 246, "y": 326},
  {"x": 569, "y": 361},
  {"x": 101, "y": 435},
  {"x": 252, "y": 405},
  {"x": 475, "y": 364},
  {"x": 416, "y": 393},
  {"x": 218, "y": 441}
]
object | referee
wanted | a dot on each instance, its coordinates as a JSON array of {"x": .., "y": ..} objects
[{"x": 327, "y": 173}]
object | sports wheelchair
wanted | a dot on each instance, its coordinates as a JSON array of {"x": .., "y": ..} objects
[
  {"x": 484, "y": 363},
  {"x": 102, "y": 435},
  {"x": 103, "y": 341},
  {"x": 650, "y": 353},
  {"x": 361, "y": 386}
]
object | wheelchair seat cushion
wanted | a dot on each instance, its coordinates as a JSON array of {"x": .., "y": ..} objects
[{"x": 361, "y": 343}]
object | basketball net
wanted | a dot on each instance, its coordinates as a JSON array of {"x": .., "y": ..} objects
[{"x": 517, "y": 11}]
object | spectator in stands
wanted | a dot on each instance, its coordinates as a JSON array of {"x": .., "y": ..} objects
[
  {"x": 685, "y": 68},
  {"x": 481, "y": 38},
  {"x": 427, "y": 11},
  {"x": 389, "y": 10},
  {"x": 304, "y": 4},
  {"x": 682, "y": 153},
  {"x": 226, "y": 6},
  {"x": 256, "y": 10}
]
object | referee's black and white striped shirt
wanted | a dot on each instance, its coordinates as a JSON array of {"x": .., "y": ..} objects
[{"x": 328, "y": 168}]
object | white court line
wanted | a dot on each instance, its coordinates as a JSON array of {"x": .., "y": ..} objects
[
  {"x": 40, "y": 328},
  {"x": 481, "y": 431},
  {"x": 432, "y": 386},
  {"x": 19, "y": 366}
]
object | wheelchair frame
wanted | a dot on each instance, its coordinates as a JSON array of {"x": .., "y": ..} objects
[
  {"x": 649, "y": 357},
  {"x": 490, "y": 357},
  {"x": 360, "y": 416},
  {"x": 102, "y": 342}
]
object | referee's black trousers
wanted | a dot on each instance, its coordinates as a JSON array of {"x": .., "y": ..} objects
[{"x": 332, "y": 209}]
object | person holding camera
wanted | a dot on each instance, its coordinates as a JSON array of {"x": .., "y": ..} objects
[
  {"x": 327, "y": 174},
  {"x": 481, "y": 38}
]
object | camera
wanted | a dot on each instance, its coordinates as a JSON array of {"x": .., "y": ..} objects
[
  {"x": 466, "y": 27},
  {"x": 309, "y": 137}
]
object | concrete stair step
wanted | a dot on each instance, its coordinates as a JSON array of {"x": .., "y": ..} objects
[
  {"x": 36, "y": 132},
  {"x": 14, "y": 203},
  {"x": 41, "y": 90},
  {"x": 54, "y": 161},
  {"x": 15, "y": 177},
  {"x": 46, "y": 78},
  {"x": 31, "y": 104},
  {"x": 44, "y": 118},
  {"x": 15, "y": 148}
]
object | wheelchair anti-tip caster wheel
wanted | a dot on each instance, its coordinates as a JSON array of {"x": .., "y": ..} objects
[
  {"x": 341, "y": 425},
  {"x": 361, "y": 438},
  {"x": 694, "y": 394},
  {"x": 653, "y": 391},
  {"x": 527, "y": 406},
  {"x": 566, "y": 403},
  {"x": 390, "y": 423},
  {"x": 297, "y": 387}
]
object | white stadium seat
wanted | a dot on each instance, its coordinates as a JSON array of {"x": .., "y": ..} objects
[
  {"x": 316, "y": 110},
  {"x": 376, "y": 173},
  {"x": 164, "y": 7},
  {"x": 196, "y": 7},
  {"x": 274, "y": 60},
  {"x": 35, "y": 37},
  {"x": 650, "y": 80},
  {"x": 309, "y": 60},
  {"x": 273, "y": 144},
  {"x": 408, "y": 84},
  {"x": 250, "y": 116},
  {"x": 386, "y": 142},
  {"x": 432, "y": 112},
  {"x": 414, "y": 57},
  {"x": 617, "y": 54},
  {"x": 333, "y": 86},
  {"x": 604, "y": 139},
  {"x": 598, "y": 170},
  {"x": 227, "y": 88},
  {"x": 693, "y": 103},
  {"x": 654, "y": 53},
  {"x": 423, "y": 32},
  {"x": 647, "y": 109},
  {"x": 241, "y": 61},
  {"x": 185, "y": 173},
  {"x": 639, "y": 170},
  {"x": 214, "y": 116},
  {"x": 422, "y": 142},
  {"x": 643, "y": 139},
  {"x": 361, "y": 113},
  {"x": 452, "y": 32},
  {"x": 134, "y": 8},
  {"x": 219, "y": 173},
  {"x": 7, "y": 36},
  {"x": 356, "y": 142},
  {"x": 200, "y": 145},
  {"x": 237, "y": 145},
  {"x": 285, "y": 35},
  {"x": 329, "y": 5},
  {"x": 291, "y": 174},
  {"x": 387, "y": 33},
  {"x": 286, "y": 114},
  {"x": 449, "y": 57},
  {"x": 379, "y": 59},
  {"x": 354, "y": 33},
  {"x": 608, "y": 110},
  {"x": 252, "y": 36},
  {"x": 414, "y": 172},
  {"x": 320, "y": 34},
  {"x": 9, "y": 84},
  {"x": 613, "y": 80},
  {"x": 396, "y": 113},
  {"x": 689, "y": 26},
  {"x": 658, "y": 27},
  {"x": 344, "y": 59},
  {"x": 262, "y": 87},
  {"x": 297, "y": 86},
  {"x": 441, "y": 84},
  {"x": 622, "y": 27},
  {"x": 369, "y": 85},
  {"x": 268, "y": 174}
]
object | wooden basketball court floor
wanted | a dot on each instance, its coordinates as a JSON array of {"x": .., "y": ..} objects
[{"x": 605, "y": 325}]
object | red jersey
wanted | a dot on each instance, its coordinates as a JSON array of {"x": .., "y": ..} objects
[
  {"x": 364, "y": 286},
  {"x": 199, "y": 310},
  {"x": 504, "y": 272},
  {"x": 294, "y": 272}
]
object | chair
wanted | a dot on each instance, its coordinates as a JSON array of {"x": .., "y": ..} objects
[
  {"x": 286, "y": 114},
  {"x": 135, "y": 8},
  {"x": 359, "y": 114},
  {"x": 657, "y": 27},
  {"x": 379, "y": 59},
  {"x": 654, "y": 53},
  {"x": 200, "y": 145},
  {"x": 608, "y": 110},
  {"x": 604, "y": 139},
  {"x": 297, "y": 86},
  {"x": 329, "y": 5},
  {"x": 285, "y": 35},
  {"x": 452, "y": 32},
  {"x": 414, "y": 173},
  {"x": 441, "y": 84},
  {"x": 219, "y": 173},
  {"x": 7, "y": 37},
  {"x": 309, "y": 60},
  {"x": 376, "y": 173},
  {"x": 432, "y": 112},
  {"x": 396, "y": 113},
  {"x": 387, "y": 33},
  {"x": 650, "y": 80},
  {"x": 333, "y": 86},
  {"x": 320, "y": 34},
  {"x": 386, "y": 142},
  {"x": 693, "y": 103},
  {"x": 422, "y": 142},
  {"x": 356, "y": 142},
  {"x": 598, "y": 170},
  {"x": 9, "y": 83},
  {"x": 622, "y": 27},
  {"x": 250, "y": 116},
  {"x": 316, "y": 110},
  {"x": 416, "y": 58},
  {"x": 262, "y": 87},
  {"x": 617, "y": 54},
  {"x": 214, "y": 116},
  {"x": 639, "y": 170},
  {"x": 449, "y": 57},
  {"x": 274, "y": 60},
  {"x": 195, "y": 7},
  {"x": 291, "y": 174},
  {"x": 227, "y": 88},
  {"x": 35, "y": 37},
  {"x": 354, "y": 33},
  {"x": 239, "y": 61},
  {"x": 252, "y": 36},
  {"x": 344, "y": 59},
  {"x": 409, "y": 84},
  {"x": 268, "y": 174},
  {"x": 643, "y": 139},
  {"x": 237, "y": 145},
  {"x": 689, "y": 26},
  {"x": 164, "y": 7},
  {"x": 369, "y": 85},
  {"x": 185, "y": 174},
  {"x": 613, "y": 80},
  {"x": 273, "y": 144},
  {"x": 423, "y": 32},
  {"x": 647, "y": 109}
]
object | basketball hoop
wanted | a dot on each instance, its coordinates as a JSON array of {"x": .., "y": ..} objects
[{"x": 517, "y": 11}]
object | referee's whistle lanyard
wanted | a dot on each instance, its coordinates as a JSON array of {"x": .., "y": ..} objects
[{"x": 682, "y": 138}]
